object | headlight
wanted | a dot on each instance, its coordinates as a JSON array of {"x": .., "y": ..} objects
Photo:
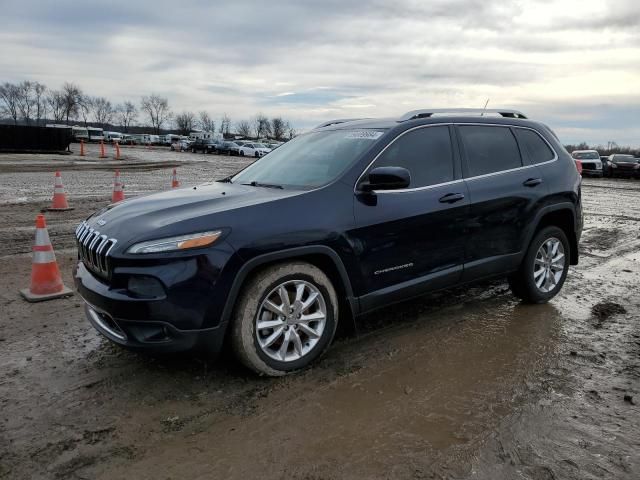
[
  {"x": 613, "y": 165},
  {"x": 183, "y": 242}
]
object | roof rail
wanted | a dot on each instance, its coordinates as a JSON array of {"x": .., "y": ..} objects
[
  {"x": 412, "y": 115},
  {"x": 337, "y": 121}
]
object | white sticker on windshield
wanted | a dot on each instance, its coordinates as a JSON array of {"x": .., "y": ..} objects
[{"x": 364, "y": 134}]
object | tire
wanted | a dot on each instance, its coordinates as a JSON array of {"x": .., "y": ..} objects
[
  {"x": 256, "y": 155},
  {"x": 193, "y": 150},
  {"x": 265, "y": 284},
  {"x": 523, "y": 284},
  {"x": 241, "y": 153}
]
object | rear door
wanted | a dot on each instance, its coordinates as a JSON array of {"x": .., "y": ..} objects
[
  {"x": 412, "y": 240},
  {"x": 504, "y": 195}
]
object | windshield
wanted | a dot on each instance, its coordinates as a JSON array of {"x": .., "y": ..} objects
[
  {"x": 310, "y": 160},
  {"x": 258, "y": 145},
  {"x": 623, "y": 158},
  {"x": 586, "y": 155}
]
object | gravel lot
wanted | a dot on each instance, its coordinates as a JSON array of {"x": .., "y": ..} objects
[{"x": 466, "y": 383}]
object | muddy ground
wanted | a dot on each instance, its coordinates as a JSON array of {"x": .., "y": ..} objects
[{"x": 461, "y": 384}]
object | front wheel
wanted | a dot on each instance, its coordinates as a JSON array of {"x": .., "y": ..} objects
[
  {"x": 241, "y": 153},
  {"x": 285, "y": 318},
  {"x": 544, "y": 268}
]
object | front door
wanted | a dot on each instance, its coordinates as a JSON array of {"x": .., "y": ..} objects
[{"x": 412, "y": 240}]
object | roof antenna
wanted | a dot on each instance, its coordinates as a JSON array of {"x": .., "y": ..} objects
[{"x": 485, "y": 107}]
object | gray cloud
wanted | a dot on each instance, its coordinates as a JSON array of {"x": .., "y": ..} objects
[{"x": 313, "y": 60}]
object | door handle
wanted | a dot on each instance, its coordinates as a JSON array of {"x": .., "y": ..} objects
[
  {"x": 532, "y": 182},
  {"x": 451, "y": 198}
]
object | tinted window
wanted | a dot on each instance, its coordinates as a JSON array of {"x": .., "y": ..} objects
[
  {"x": 425, "y": 152},
  {"x": 537, "y": 148},
  {"x": 490, "y": 149},
  {"x": 585, "y": 155}
]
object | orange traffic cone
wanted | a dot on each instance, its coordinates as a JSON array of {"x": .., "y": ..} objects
[
  {"x": 102, "y": 154},
  {"x": 81, "y": 148},
  {"x": 118, "y": 192},
  {"x": 174, "y": 180},
  {"x": 46, "y": 282},
  {"x": 117, "y": 151},
  {"x": 59, "y": 203}
]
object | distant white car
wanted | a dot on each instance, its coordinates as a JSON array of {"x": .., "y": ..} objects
[
  {"x": 253, "y": 150},
  {"x": 181, "y": 145}
]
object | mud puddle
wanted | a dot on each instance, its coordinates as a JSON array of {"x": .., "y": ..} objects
[{"x": 466, "y": 383}]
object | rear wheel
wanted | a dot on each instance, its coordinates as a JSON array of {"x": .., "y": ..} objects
[
  {"x": 285, "y": 318},
  {"x": 241, "y": 153},
  {"x": 544, "y": 268}
]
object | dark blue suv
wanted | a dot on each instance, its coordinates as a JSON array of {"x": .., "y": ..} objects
[{"x": 350, "y": 217}]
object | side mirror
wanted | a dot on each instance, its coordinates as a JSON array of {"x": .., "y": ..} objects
[{"x": 387, "y": 178}]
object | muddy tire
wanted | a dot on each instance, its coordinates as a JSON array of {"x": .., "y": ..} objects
[
  {"x": 274, "y": 309},
  {"x": 544, "y": 268}
]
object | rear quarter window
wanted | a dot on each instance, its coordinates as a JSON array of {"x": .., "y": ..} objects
[
  {"x": 535, "y": 147},
  {"x": 489, "y": 149}
]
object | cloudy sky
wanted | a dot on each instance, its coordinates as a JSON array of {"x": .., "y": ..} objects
[{"x": 574, "y": 64}]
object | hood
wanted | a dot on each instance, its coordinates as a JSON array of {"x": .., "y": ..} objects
[{"x": 179, "y": 211}]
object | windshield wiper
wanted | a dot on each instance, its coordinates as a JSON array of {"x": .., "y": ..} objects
[
  {"x": 265, "y": 185},
  {"x": 225, "y": 180}
]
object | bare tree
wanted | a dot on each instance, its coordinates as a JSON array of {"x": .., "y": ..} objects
[
  {"x": 225, "y": 125},
  {"x": 9, "y": 96},
  {"x": 72, "y": 95},
  {"x": 291, "y": 132},
  {"x": 243, "y": 128},
  {"x": 85, "y": 107},
  {"x": 56, "y": 103},
  {"x": 25, "y": 99},
  {"x": 40, "y": 100},
  {"x": 205, "y": 122},
  {"x": 102, "y": 111},
  {"x": 185, "y": 122},
  {"x": 157, "y": 108},
  {"x": 126, "y": 114},
  {"x": 278, "y": 128},
  {"x": 261, "y": 126}
]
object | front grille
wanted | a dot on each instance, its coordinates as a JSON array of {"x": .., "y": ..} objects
[
  {"x": 94, "y": 248},
  {"x": 589, "y": 166}
]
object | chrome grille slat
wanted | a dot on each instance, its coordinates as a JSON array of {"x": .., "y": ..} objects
[{"x": 94, "y": 248}]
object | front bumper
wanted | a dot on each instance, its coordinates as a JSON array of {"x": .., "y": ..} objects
[{"x": 185, "y": 314}]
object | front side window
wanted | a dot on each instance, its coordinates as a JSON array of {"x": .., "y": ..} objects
[
  {"x": 310, "y": 160},
  {"x": 425, "y": 152},
  {"x": 537, "y": 148},
  {"x": 489, "y": 149}
]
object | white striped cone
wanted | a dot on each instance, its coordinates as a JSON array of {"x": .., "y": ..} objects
[
  {"x": 118, "y": 192},
  {"x": 59, "y": 202},
  {"x": 46, "y": 281}
]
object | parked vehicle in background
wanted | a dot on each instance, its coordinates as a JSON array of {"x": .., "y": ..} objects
[
  {"x": 169, "y": 138},
  {"x": 112, "y": 137},
  {"x": 228, "y": 148},
  {"x": 203, "y": 145},
  {"x": 400, "y": 207},
  {"x": 605, "y": 165},
  {"x": 591, "y": 163},
  {"x": 622, "y": 165},
  {"x": 181, "y": 145},
  {"x": 79, "y": 133},
  {"x": 95, "y": 134},
  {"x": 253, "y": 150}
]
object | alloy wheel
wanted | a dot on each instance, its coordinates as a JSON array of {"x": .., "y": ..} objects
[
  {"x": 549, "y": 265},
  {"x": 291, "y": 320}
]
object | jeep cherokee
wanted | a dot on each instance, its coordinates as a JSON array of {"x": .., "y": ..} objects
[{"x": 349, "y": 217}]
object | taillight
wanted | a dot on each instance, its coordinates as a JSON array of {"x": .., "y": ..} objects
[{"x": 579, "y": 166}]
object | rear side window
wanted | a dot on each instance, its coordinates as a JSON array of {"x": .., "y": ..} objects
[
  {"x": 536, "y": 147},
  {"x": 489, "y": 149},
  {"x": 425, "y": 152}
]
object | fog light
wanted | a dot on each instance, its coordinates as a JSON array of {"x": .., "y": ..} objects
[{"x": 147, "y": 287}]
